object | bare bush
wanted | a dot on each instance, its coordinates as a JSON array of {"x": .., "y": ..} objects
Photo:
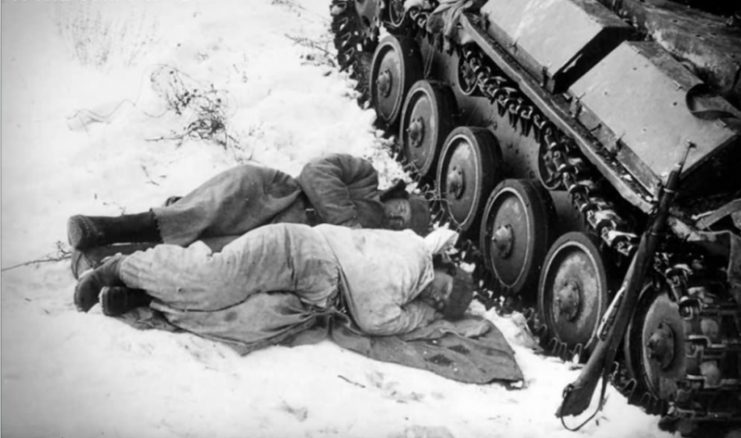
[
  {"x": 204, "y": 108},
  {"x": 96, "y": 37}
]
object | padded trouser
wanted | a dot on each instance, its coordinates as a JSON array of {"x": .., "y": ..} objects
[
  {"x": 232, "y": 203},
  {"x": 276, "y": 258}
]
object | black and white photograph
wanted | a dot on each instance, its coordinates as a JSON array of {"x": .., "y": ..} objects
[{"x": 371, "y": 218}]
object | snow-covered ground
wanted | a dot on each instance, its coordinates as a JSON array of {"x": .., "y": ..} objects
[{"x": 86, "y": 128}]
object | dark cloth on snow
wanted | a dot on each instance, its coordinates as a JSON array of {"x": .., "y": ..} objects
[{"x": 472, "y": 350}]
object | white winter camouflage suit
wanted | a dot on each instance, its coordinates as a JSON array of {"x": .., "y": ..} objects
[{"x": 274, "y": 280}]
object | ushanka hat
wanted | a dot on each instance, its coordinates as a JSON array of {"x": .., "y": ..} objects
[
  {"x": 420, "y": 209},
  {"x": 420, "y": 222},
  {"x": 397, "y": 190}
]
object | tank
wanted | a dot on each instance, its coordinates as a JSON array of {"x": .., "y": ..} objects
[{"x": 545, "y": 131}]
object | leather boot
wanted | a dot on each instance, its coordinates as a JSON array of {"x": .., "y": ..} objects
[
  {"x": 85, "y": 259},
  {"x": 117, "y": 300},
  {"x": 88, "y": 288},
  {"x": 90, "y": 231}
]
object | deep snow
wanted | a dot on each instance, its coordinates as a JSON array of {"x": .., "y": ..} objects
[{"x": 81, "y": 119}]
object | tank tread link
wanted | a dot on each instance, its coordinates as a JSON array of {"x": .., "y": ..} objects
[{"x": 546, "y": 130}]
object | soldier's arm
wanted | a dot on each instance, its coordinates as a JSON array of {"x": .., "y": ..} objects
[
  {"x": 326, "y": 180},
  {"x": 398, "y": 320}
]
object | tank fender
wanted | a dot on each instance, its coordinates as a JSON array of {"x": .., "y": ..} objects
[
  {"x": 704, "y": 42},
  {"x": 635, "y": 101},
  {"x": 556, "y": 41}
]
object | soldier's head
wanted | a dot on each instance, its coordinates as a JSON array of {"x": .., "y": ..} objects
[
  {"x": 451, "y": 290},
  {"x": 403, "y": 210}
]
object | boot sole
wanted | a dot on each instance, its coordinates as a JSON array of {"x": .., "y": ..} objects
[
  {"x": 108, "y": 297},
  {"x": 81, "y": 232},
  {"x": 80, "y": 264},
  {"x": 117, "y": 300}
]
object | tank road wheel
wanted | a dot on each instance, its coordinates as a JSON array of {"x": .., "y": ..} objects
[
  {"x": 547, "y": 172},
  {"x": 572, "y": 291},
  {"x": 515, "y": 234},
  {"x": 655, "y": 346},
  {"x": 469, "y": 167},
  {"x": 397, "y": 16},
  {"x": 396, "y": 65},
  {"x": 465, "y": 77},
  {"x": 426, "y": 121}
]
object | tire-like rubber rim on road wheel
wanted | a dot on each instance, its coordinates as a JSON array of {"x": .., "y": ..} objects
[
  {"x": 515, "y": 234},
  {"x": 397, "y": 64},
  {"x": 469, "y": 168},
  {"x": 426, "y": 121},
  {"x": 465, "y": 78},
  {"x": 657, "y": 314},
  {"x": 573, "y": 289}
]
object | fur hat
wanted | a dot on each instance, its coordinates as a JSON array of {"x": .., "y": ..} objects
[
  {"x": 397, "y": 190},
  {"x": 463, "y": 287},
  {"x": 421, "y": 217},
  {"x": 460, "y": 297},
  {"x": 420, "y": 209}
]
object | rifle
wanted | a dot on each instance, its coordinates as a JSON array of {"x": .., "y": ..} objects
[{"x": 577, "y": 395}]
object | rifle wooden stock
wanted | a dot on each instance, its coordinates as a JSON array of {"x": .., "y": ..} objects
[{"x": 578, "y": 395}]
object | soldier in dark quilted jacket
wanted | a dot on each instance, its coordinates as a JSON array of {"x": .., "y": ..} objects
[{"x": 337, "y": 189}]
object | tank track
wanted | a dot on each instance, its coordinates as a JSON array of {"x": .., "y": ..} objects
[
  {"x": 698, "y": 399},
  {"x": 354, "y": 51},
  {"x": 712, "y": 334}
]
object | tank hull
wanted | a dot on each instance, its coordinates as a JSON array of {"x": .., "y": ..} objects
[{"x": 590, "y": 105}]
